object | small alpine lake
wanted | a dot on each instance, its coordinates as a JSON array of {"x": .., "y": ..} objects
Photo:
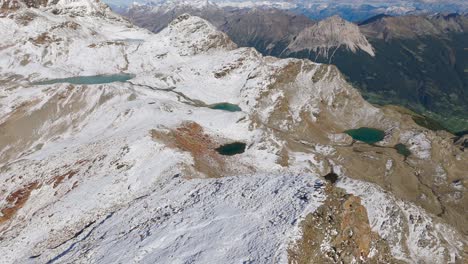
[
  {"x": 226, "y": 107},
  {"x": 403, "y": 150},
  {"x": 366, "y": 134},
  {"x": 231, "y": 149},
  {"x": 331, "y": 177},
  {"x": 95, "y": 79}
]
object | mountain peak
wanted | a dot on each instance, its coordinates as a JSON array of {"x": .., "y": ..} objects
[
  {"x": 335, "y": 18},
  {"x": 192, "y": 34},
  {"x": 331, "y": 33}
]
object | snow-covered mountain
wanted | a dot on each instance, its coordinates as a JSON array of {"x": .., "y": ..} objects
[
  {"x": 124, "y": 172},
  {"x": 157, "y": 15},
  {"x": 355, "y": 11}
]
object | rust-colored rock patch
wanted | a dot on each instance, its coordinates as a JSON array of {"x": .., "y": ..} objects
[
  {"x": 16, "y": 200},
  {"x": 57, "y": 180},
  {"x": 339, "y": 232},
  {"x": 355, "y": 228},
  {"x": 44, "y": 38},
  {"x": 190, "y": 137}
]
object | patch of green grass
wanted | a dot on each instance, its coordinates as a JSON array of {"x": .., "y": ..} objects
[{"x": 428, "y": 123}]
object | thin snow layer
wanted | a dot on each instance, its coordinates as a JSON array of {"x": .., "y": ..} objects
[
  {"x": 413, "y": 235},
  {"x": 82, "y": 6},
  {"x": 419, "y": 143},
  {"x": 108, "y": 192},
  {"x": 133, "y": 186},
  {"x": 228, "y": 220}
]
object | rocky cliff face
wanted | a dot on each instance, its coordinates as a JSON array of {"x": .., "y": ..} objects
[
  {"x": 267, "y": 30},
  {"x": 329, "y": 35},
  {"x": 130, "y": 172}
]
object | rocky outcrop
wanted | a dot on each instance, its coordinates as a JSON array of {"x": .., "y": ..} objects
[
  {"x": 462, "y": 142},
  {"x": 339, "y": 231}
]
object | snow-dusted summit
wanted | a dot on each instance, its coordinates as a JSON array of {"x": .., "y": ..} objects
[{"x": 75, "y": 7}]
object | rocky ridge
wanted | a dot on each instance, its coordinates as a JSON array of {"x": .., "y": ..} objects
[{"x": 410, "y": 27}]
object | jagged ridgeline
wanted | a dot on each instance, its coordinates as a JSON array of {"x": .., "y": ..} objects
[
  {"x": 119, "y": 145},
  {"x": 419, "y": 62}
]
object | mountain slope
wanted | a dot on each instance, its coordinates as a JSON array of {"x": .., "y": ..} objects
[
  {"x": 129, "y": 172},
  {"x": 422, "y": 60}
]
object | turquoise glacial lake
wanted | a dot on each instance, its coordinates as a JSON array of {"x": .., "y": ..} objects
[
  {"x": 226, "y": 107},
  {"x": 96, "y": 79}
]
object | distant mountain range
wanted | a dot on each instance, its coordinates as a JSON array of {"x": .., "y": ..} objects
[
  {"x": 417, "y": 61},
  {"x": 320, "y": 9},
  {"x": 361, "y": 10}
]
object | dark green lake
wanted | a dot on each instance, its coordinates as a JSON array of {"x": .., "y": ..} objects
[
  {"x": 331, "y": 177},
  {"x": 403, "y": 150},
  {"x": 96, "y": 79},
  {"x": 231, "y": 149},
  {"x": 366, "y": 134},
  {"x": 226, "y": 107}
]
